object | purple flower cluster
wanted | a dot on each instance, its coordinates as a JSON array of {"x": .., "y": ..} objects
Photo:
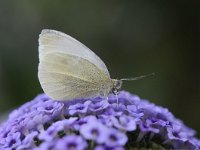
[{"x": 94, "y": 123}]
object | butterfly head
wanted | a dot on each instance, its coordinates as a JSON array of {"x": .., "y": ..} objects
[{"x": 116, "y": 86}]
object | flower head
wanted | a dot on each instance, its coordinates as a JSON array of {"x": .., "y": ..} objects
[{"x": 95, "y": 123}]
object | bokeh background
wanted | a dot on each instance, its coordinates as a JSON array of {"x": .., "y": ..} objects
[{"x": 132, "y": 37}]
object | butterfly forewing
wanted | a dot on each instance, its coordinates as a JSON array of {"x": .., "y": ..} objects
[
  {"x": 55, "y": 41},
  {"x": 65, "y": 74}
]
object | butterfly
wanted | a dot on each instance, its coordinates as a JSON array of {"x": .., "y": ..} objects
[{"x": 69, "y": 70}]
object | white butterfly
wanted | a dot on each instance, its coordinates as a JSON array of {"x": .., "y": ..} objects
[{"x": 68, "y": 69}]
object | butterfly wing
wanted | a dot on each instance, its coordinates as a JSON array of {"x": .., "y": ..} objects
[
  {"x": 55, "y": 41},
  {"x": 65, "y": 72}
]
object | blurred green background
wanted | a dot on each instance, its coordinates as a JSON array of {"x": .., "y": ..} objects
[{"x": 132, "y": 37}]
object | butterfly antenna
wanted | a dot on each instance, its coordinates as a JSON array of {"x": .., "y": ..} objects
[{"x": 137, "y": 78}]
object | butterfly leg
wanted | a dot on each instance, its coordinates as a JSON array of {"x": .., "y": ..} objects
[{"x": 116, "y": 95}]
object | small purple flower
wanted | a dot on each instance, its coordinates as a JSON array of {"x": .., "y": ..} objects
[
  {"x": 145, "y": 128},
  {"x": 96, "y": 106},
  {"x": 115, "y": 109},
  {"x": 52, "y": 132},
  {"x": 52, "y": 108},
  {"x": 71, "y": 142},
  {"x": 133, "y": 111},
  {"x": 115, "y": 138},
  {"x": 124, "y": 122},
  {"x": 28, "y": 142},
  {"x": 105, "y": 119},
  {"x": 12, "y": 140},
  {"x": 93, "y": 130},
  {"x": 124, "y": 98},
  {"x": 79, "y": 108},
  {"x": 82, "y": 121}
]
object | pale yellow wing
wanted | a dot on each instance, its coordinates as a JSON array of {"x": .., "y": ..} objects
[{"x": 56, "y": 41}]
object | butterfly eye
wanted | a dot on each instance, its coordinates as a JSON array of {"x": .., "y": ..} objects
[{"x": 118, "y": 84}]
